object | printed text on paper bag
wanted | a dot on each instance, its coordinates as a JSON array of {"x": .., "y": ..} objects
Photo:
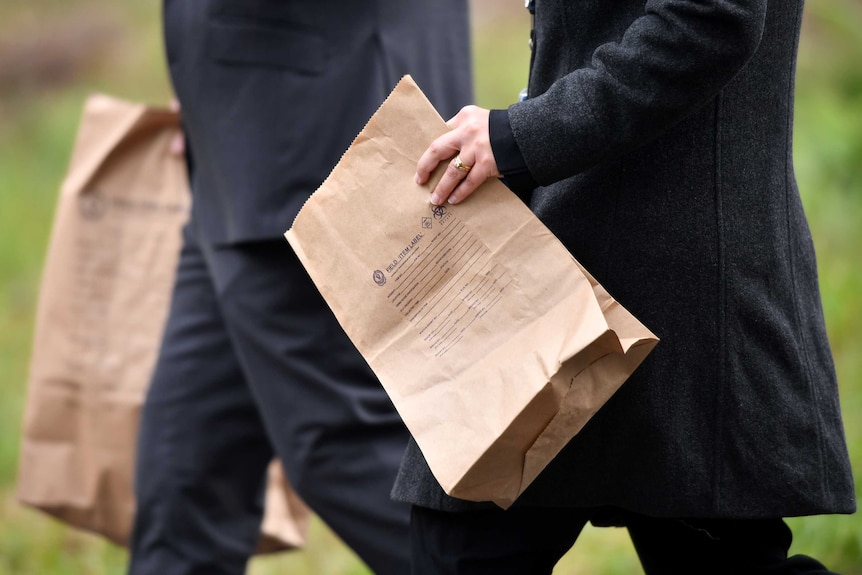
[{"x": 443, "y": 281}]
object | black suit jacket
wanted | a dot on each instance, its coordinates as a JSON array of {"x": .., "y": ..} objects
[{"x": 274, "y": 91}]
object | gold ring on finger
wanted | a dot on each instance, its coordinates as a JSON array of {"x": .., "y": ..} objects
[{"x": 461, "y": 166}]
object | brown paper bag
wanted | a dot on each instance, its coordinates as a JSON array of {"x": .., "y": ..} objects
[
  {"x": 495, "y": 346},
  {"x": 103, "y": 304}
]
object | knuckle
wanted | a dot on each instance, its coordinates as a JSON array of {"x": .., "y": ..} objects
[{"x": 435, "y": 150}]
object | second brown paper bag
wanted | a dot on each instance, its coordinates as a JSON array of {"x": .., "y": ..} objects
[
  {"x": 103, "y": 303},
  {"x": 494, "y": 344}
]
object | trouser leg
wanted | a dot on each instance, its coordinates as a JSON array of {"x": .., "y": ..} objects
[
  {"x": 333, "y": 426},
  {"x": 518, "y": 541},
  {"x": 202, "y": 449},
  {"x": 717, "y": 547}
]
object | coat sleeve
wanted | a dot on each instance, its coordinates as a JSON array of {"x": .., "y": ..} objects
[{"x": 669, "y": 61}]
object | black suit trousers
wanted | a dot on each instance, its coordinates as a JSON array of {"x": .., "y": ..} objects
[
  {"x": 253, "y": 364},
  {"x": 531, "y": 540}
]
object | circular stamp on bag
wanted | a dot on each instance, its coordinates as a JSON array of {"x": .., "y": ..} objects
[
  {"x": 92, "y": 205},
  {"x": 379, "y": 277}
]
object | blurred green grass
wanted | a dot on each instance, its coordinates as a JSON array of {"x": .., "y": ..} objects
[{"x": 39, "y": 112}]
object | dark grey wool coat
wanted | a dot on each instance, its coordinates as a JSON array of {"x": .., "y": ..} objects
[{"x": 660, "y": 133}]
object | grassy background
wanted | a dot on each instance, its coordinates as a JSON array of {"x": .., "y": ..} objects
[{"x": 54, "y": 52}]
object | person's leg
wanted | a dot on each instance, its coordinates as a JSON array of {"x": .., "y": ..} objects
[
  {"x": 202, "y": 449},
  {"x": 332, "y": 424},
  {"x": 517, "y": 541},
  {"x": 717, "y": 547}
]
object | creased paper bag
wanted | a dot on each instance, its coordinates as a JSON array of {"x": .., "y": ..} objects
[
  {"x": 104, "y": 298},
  {"x": 493, "y": 343}
]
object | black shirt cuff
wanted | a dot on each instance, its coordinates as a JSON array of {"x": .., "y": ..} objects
[{"x": 510, "y": 161}]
